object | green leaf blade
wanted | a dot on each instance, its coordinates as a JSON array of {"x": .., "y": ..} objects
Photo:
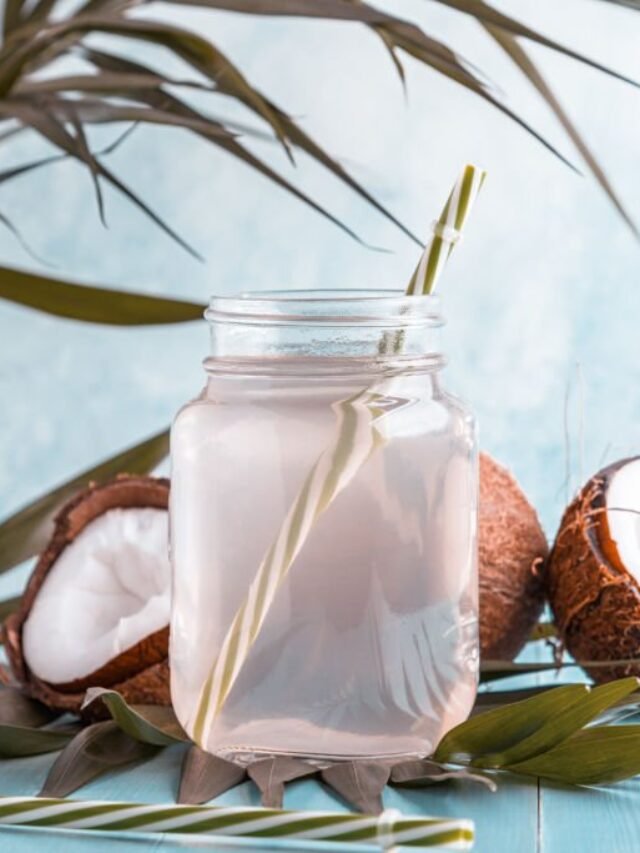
[
  {"x": 501, "y": 728},
  {"x": 90, "y": 304},
  {"x": 595, "y": 756},
  {"x": 153, "y": 724},
  {"x": 21, "y": 741},
  {"x": 569, "y": 719}
]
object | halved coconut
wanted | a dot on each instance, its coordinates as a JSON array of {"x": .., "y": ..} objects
[
  {"x": 594, "y": 571},
  {"x": 512, "y": 553},
  {"x": 96, "y": 609}
]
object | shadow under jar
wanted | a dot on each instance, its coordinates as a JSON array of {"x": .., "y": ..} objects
[{"x": 367, "y": 645}]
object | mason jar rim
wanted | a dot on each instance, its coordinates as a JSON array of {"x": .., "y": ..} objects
[{"x": 331, "y": 306}]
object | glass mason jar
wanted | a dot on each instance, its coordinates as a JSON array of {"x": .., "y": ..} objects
[{"x": 323, "y": 532}]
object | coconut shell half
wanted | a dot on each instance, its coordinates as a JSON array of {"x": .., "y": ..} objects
[
  {"x": 594, "y": 597},
  {"x": 139, "y": 673},
  {"x": 512, "y": 553}
]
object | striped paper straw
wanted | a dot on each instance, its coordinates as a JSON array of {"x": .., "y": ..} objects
[
  {"x": 358, "y": 434},
  {"x": 355, "y": 440},
  {"x": 386, "y": 830},
  {"x": 446, "y": 231}
]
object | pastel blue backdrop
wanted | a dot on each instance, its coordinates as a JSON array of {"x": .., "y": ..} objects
[{"x": 543, "y": 297}]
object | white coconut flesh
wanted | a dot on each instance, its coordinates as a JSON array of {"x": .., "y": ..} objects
[
  {"x": 107, "y": 591},
  {"x": 623, "y": 515}
]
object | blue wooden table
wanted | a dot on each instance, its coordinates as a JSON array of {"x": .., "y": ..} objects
[{"x": 522, "y": 816}]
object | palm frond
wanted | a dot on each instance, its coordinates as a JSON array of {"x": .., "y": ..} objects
[
  {"x": 58, "y": 108},
  {"x": 487, "y": 14},
  {"x": 629, "y": 4},
  {"x": 90, "y": 304},
  {"x": 524, "y": 62}
]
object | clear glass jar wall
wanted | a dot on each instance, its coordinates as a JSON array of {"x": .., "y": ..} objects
[{"x": 368, "y": 646}]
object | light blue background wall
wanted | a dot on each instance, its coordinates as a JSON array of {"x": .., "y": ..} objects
[{"x": 543, "y": 298}]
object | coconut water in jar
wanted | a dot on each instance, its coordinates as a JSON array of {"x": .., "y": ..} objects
[{"x": 323, "y": 532}]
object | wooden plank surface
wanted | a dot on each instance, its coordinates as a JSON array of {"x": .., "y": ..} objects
[
  {"x": 515, "y": 819},
  {"x": 586, "y": 820},
  {"x": 506, "y": 821}
]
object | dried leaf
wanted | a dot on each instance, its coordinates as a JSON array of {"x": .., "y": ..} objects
[
  {"x": 398, "y": 33},
  {"x": 93, "y": 304},
  {"x": 487, "y": 14},
  {"x": 11, "y": 227},
  {"x": 270, "y": 775},
  {"x": 630, "y": 4},
  {"x": 92, "y": 164},
  {"x": 53, "y": 130},
  {"x": 96, "y": 749},
  {"x": 40, "y": 10},
  {"x": 27, "y": 531},
  {"x": 195, "y": 50},
  {"x": 520, "y": 57},
  {"x": 568, "y": 719},
  {"x": 167, "y": 104},
  {"x": 153, "y": 724},
  {"x": 95, "y": 111},
  {"x": 106, "y": 83},
  {"x": 595, "y": 756},
  {"x": 424, "y": 773},
  {"x": 360, "y": 783},
  {"x": 12, "y": 15},
  {"x": 205, "y": 776},
  {"x": 19, "y": 710},
  {"x": 19, "y": 741}
]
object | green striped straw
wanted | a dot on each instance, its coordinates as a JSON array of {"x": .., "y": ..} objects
[
  {"x": 447, "y": 230},
  {"x": 357, "y": 435},
  {"x": 387, "y": 830}
]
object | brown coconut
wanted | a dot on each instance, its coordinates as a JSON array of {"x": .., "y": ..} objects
[
  {"x": 593, "y": 591},
  {"x": 140, "y": 673},
  {"x": 512, "y": 553}
]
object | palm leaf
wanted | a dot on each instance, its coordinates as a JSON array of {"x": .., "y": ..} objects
[
  {"x": 459, "y": 74},
  {"x": 595, "y": 756},
  {"x": 15, "y": 231},
  {"x": 154, "y": 724},
  {"x": 54, "y": 131},
  {"x": 363, "y": 13},
  {"x": 292, "y": 134},
  {"x": 27, "y": 531},
  {"x": 488, "y": 15},
  {"x": 521, "y": 58},
  {"x": 93, "y": 304},
  {"x": 179, "y": 112},
  {"x": 95, "y": 750},
  {"x": 630, "y": 4},
  {"x": 20, "y": 741},
  {"x": 36, "y": 43}
]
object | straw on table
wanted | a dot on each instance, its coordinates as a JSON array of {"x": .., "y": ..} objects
[
  {"x": 358, "y": 433},
  {"x": 386, "y": 830}
]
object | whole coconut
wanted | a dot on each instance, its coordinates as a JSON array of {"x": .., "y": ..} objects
[{"x": 512, "y": 554}]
